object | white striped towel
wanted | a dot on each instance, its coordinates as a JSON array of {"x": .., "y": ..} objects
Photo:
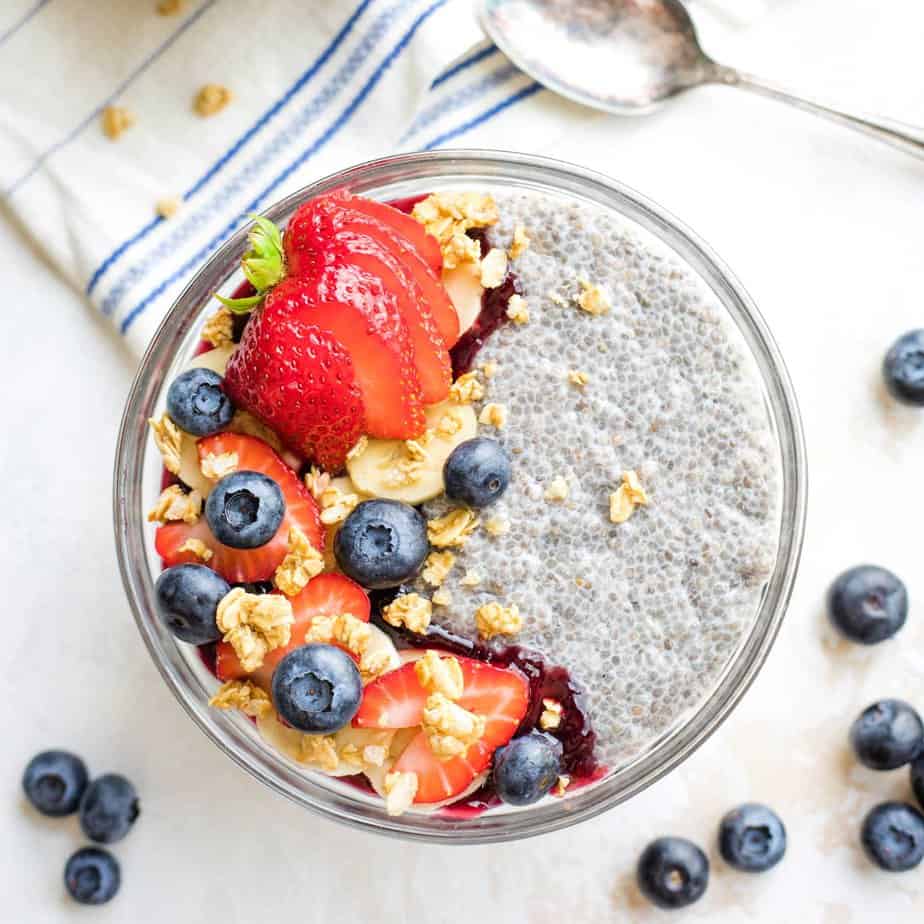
[{"x": 316, "y": 86}]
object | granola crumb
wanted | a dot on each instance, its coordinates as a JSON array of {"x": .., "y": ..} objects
[
  {"x": 440, "y": 674},
  {"x": 494, "y": 268},
  {"x": 198, "y": 548},
  {"x": 580, "y": 379},
  {"x": 409, "y": 610},
  {"x": 320, "y": 750},
  {"x": 243, "y": 695},
  {"x": 629, "y": 495},
  {"x": 116, "y": 120},
  {"x": 361, "y": 445},
  {"x": 551, "y": 715},
  {"x": 489, "y": 369},
  {"x": 442, "y": 597},
  {"x": 175, "y": 504},
  {"x": 494, "y": 415},
  {"x": 471, "y": 578},
  {"x": 448, "y": 215},
  {"x": 302, "y": 562},
  {"x": 466, "y": 388},
  {"x": 170, "y": 7},
  {"x": 437, "y": 567},
  {"x": 561, "y": 785},
  {"x": 211, "y": 99},
  {"x": 497, "y": 526},
  {"x": 449, "y": 424},
  {"x": 520, "y": 242},
  {"x": 219, "y": 328},
  {"x": 168, "y": 206},
  {"x": 556, "y": 298},
  {"x": 494, "y": 619},
  {"x": 317, "y": 482},
  {"x": 593, "y": 299},
  {"x": 452, "y": 529},
  {"x": 400, "y": 789},
  {"x": 557, "y": 489},
  {"x": 450, "y": 729},
  {"x": 215, "y": 467},
  {"x": 336, "y": 505},
  {"x": 517, "y": 309},
  {"x": 168, "y": 438},
  {"x": 254, "y": 624},
  {"x": 353, "y": 634},
  {"x": 415, "y": 450}
]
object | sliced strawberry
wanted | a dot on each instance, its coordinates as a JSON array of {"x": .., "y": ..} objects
[
  {"x": 438, "y": 780},
  {"x": 356, "y": 310},
  {"x": 324, "y": 595},
  {"x": 396, "y": 699},
  {"x": 243, "y": 565},
  {"x": 299, "y": 380},
  {"x": 408, "y": 228}
]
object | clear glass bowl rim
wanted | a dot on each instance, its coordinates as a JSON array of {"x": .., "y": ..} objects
[{"x": 673, "y": 748}]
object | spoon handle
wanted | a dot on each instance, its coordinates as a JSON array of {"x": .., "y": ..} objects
[{"x": 907, "y": 138}]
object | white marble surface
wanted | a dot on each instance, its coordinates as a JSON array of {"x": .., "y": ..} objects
[{"x": 824, "y": 229}]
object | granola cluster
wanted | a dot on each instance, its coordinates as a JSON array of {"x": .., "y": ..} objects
[
  {"x": 450, "y": 729},
  {"x": 254, "y": 624},
  {"x": 453, "y": 528},
  {"x": 168, "y": 438},
  {"x": 411, "y": 611},
  {"x": 336, "y": 505},
  {"x": 629, "y": 495},
  {"x": 438, "y": 674},
  {"x": 175, "y": 504},
  {"x": 437, "y": 567},
  {"x": 466, "y": 389},
  {"x": 219, "y": 328},
  {"x": 494, "y": 618},
  {"x": 353, "y": 634},
  {"x": 449, "y": 215},
  {"x": 400, "y": 789},
  {"x": 302, "y": 562},
  {"x": 198, "y": 548},
  {"x": 244, "y": 695},
  {"x": 216, "y": 465}
]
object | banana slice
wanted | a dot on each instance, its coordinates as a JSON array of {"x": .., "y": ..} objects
[
  {"x": 381, "y": 644},
  {"x": 374, "y": 471},
  {"x": 216, "y": 360},
  {"x": 190, "y": 471},
  {"x": 463, "y": 285}
]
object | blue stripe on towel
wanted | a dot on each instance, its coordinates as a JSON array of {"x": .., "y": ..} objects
[
  {"x": 12, "y": 30},
  {"x": 464, "y": 64},
  {"x": 303, "y": 80},
  {"x": 303, "y": 121},
  {"x": 258, "y": 201},
  {"x": 148, "y": 61},
  {"x": 525, "y": 93}
]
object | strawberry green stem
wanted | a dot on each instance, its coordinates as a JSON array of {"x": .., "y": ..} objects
[{"x": 263, "y": 264}]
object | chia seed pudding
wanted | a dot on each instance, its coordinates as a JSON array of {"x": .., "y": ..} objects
[{"x": 644, "y": 614}]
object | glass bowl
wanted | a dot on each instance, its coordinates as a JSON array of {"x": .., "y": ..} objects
[{"x": 138, "y": 471}]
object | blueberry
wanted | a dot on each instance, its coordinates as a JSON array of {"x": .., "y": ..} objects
[
  {"x": 917, "y": 779},
  {"x": 109, "y": 808},
  {"x": 903, "y": 368},
  {"x": 868, "y": 604},
  {"x": 317, "y": 688},
  {"x": 887, "y": 735},
  {"x": 752, "y": 838},
  {"x": 245, "y": 509},
  {"x": 197, "y": 402},
  {"x": 257, "y": 587},
  {"x": 893, "y": 836},
  {"x": 477, "y": 472},
  {"x": 527, "y": 768},
  {"x": 382, "y": 543},
  {"x": 54, "y": 782},
  {"x": 672, "y": 872},
  {"x": 92, "y": 876},
  {"x": 187, "y": 599}
]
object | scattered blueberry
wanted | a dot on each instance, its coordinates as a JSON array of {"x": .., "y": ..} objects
[
  {"x": 109, "y": 808},
  {"x": 187, "y": 599},
  {"x": 903, "y": 368},
  {"x": 382, "y": 543},
  {"x": 477, "y": 472},
  {"x": 672, "y": 872},
  {"x": 868, "y": 604},
  {"x": 527, "y": 768},
  {"x": 317, "y": 688},
  {"x": 245, "y": 509},
  {"x": 752, "y": 838},
  {"x": 92, "y": 876},
  {"x": 197, "y": 403},
  {"x": 893, "y": 836},
  {"x": 887, "y": 735},
  {"x": 54, "y": 782},
  {"x": 917, "y": 779}
]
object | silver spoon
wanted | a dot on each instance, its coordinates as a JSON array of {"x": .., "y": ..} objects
[{"x": 628, "y": 56}]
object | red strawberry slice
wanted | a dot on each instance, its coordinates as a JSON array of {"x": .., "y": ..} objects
[
  {"x": 300, "y": 381},
  {"x": 360, "y": 314},
  {"x": 242, "y": 565},
  {"x": 408, "y": 228},
  {"x": 324, "y": 595},
  {"x": 396, "y": 700}
]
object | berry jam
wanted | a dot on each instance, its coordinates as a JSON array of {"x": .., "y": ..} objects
[{"x": 492, "y": 315}]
